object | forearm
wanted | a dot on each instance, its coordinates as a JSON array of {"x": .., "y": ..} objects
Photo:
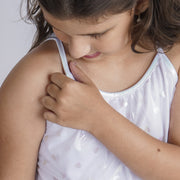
[{"x": 147, "y": 157}]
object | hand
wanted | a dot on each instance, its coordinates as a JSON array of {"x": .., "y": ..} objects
[{"x": 76, "y": 104}]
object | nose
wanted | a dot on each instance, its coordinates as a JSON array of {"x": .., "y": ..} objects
[{"x": 79, "y": 47}]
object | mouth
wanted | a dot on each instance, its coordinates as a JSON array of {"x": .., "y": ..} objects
[{"x": 92, "y": 55}]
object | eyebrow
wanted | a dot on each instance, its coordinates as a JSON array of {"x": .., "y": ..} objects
[
  {"x": 89, "y": 34},
  {"x": 96, "y": 33}
]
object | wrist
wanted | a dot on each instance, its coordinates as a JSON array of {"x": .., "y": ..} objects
[{"x": 102, "y": 121}]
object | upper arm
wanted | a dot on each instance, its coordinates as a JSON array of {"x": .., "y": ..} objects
[
  {"x": 174, "y": 131},
  {"x": 21, "y": 125},
  {"x": 21, "y": 122}
]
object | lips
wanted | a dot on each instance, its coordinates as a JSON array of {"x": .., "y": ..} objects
[{"x": 93, "y": 55}]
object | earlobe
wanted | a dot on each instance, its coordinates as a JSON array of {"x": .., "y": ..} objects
[{"x": 141, "y": 6}]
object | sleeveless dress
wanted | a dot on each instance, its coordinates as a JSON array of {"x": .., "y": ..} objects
[{"x": 71, "y": 154}]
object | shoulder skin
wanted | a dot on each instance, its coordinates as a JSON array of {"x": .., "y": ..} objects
[{"x": 21, "y": 123}]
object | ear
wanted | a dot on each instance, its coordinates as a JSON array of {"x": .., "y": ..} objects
[{"x": 141, "y": 6}]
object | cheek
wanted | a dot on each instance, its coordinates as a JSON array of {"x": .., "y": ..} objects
[
  {"x": 114, "y": 42},
  {"x": 63, "y": 37},
  {"x": 112, "y": 47}
]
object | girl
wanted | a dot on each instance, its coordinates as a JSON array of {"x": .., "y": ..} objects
[{"x": 113, "y": 113}]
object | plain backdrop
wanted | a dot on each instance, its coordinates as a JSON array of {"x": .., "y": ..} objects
[{"x": 15, "y": 36}]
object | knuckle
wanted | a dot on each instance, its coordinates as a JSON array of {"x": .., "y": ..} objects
[
  {"x": 66, "y": 85},
  {"x": 60, "y": 103},
  {"x": 69, "y": 84},
  {"x": 59, "y": 97}
]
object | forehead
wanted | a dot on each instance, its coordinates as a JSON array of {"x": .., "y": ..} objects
[
  {"x": 83, "y": 9},
  {"x": 89, "y": 20},
  {"x": 107, "y": 18}
]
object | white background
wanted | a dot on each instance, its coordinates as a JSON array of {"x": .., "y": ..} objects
[{"x": 15, "y": 36}]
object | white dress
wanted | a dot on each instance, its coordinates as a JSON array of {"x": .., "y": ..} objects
[{"x": 71, "y": 154}]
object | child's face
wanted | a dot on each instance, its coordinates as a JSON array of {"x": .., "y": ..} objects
[{"x": 93, "y": 40}]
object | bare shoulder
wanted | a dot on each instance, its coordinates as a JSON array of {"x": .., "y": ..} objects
[
  {"x": 174, "y": 56},
  {"x": 21, "y": 123},
  {"x": 33, "y": 69},
  {"x": 28, "y": 79},
  {"x": 44, "y": 58}
]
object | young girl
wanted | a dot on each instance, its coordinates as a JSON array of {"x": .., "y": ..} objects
[{"x": 105, "y": 74}]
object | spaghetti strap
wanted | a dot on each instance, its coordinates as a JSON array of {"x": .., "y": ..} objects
[
  {"x": 77, "y": 150},
  {"x": 62, "y": 55}
]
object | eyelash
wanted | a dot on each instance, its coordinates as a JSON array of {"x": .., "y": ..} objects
[{"x": 97, "y": 36}]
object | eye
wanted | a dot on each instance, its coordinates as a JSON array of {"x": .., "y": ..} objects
[{"x": 97, "y": 36}]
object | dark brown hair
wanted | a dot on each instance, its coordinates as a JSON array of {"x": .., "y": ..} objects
[{"x": 159, "y": 25}]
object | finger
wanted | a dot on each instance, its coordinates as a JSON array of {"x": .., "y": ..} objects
[
  {"x": 59, "y": 79},
  {"x": 79, "y": 74},
  {"x": 50, "y": 116},
  {"x": 53, "y": 90},
  {"x": 49, "y": 103}
]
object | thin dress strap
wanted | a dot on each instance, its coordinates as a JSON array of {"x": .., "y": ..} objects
[{"x": 62, "y": 55}]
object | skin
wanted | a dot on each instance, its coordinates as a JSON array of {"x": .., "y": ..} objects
[
  {"x": 78, "y": 104},
  {"x": 22, "y": 125},
  {"x": 118, "y": 60}
]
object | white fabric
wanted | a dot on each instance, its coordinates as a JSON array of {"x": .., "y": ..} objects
[{"x": 70, "y": 154}]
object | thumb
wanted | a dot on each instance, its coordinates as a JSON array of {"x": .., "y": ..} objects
[{"x": 79, "y": 74}]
